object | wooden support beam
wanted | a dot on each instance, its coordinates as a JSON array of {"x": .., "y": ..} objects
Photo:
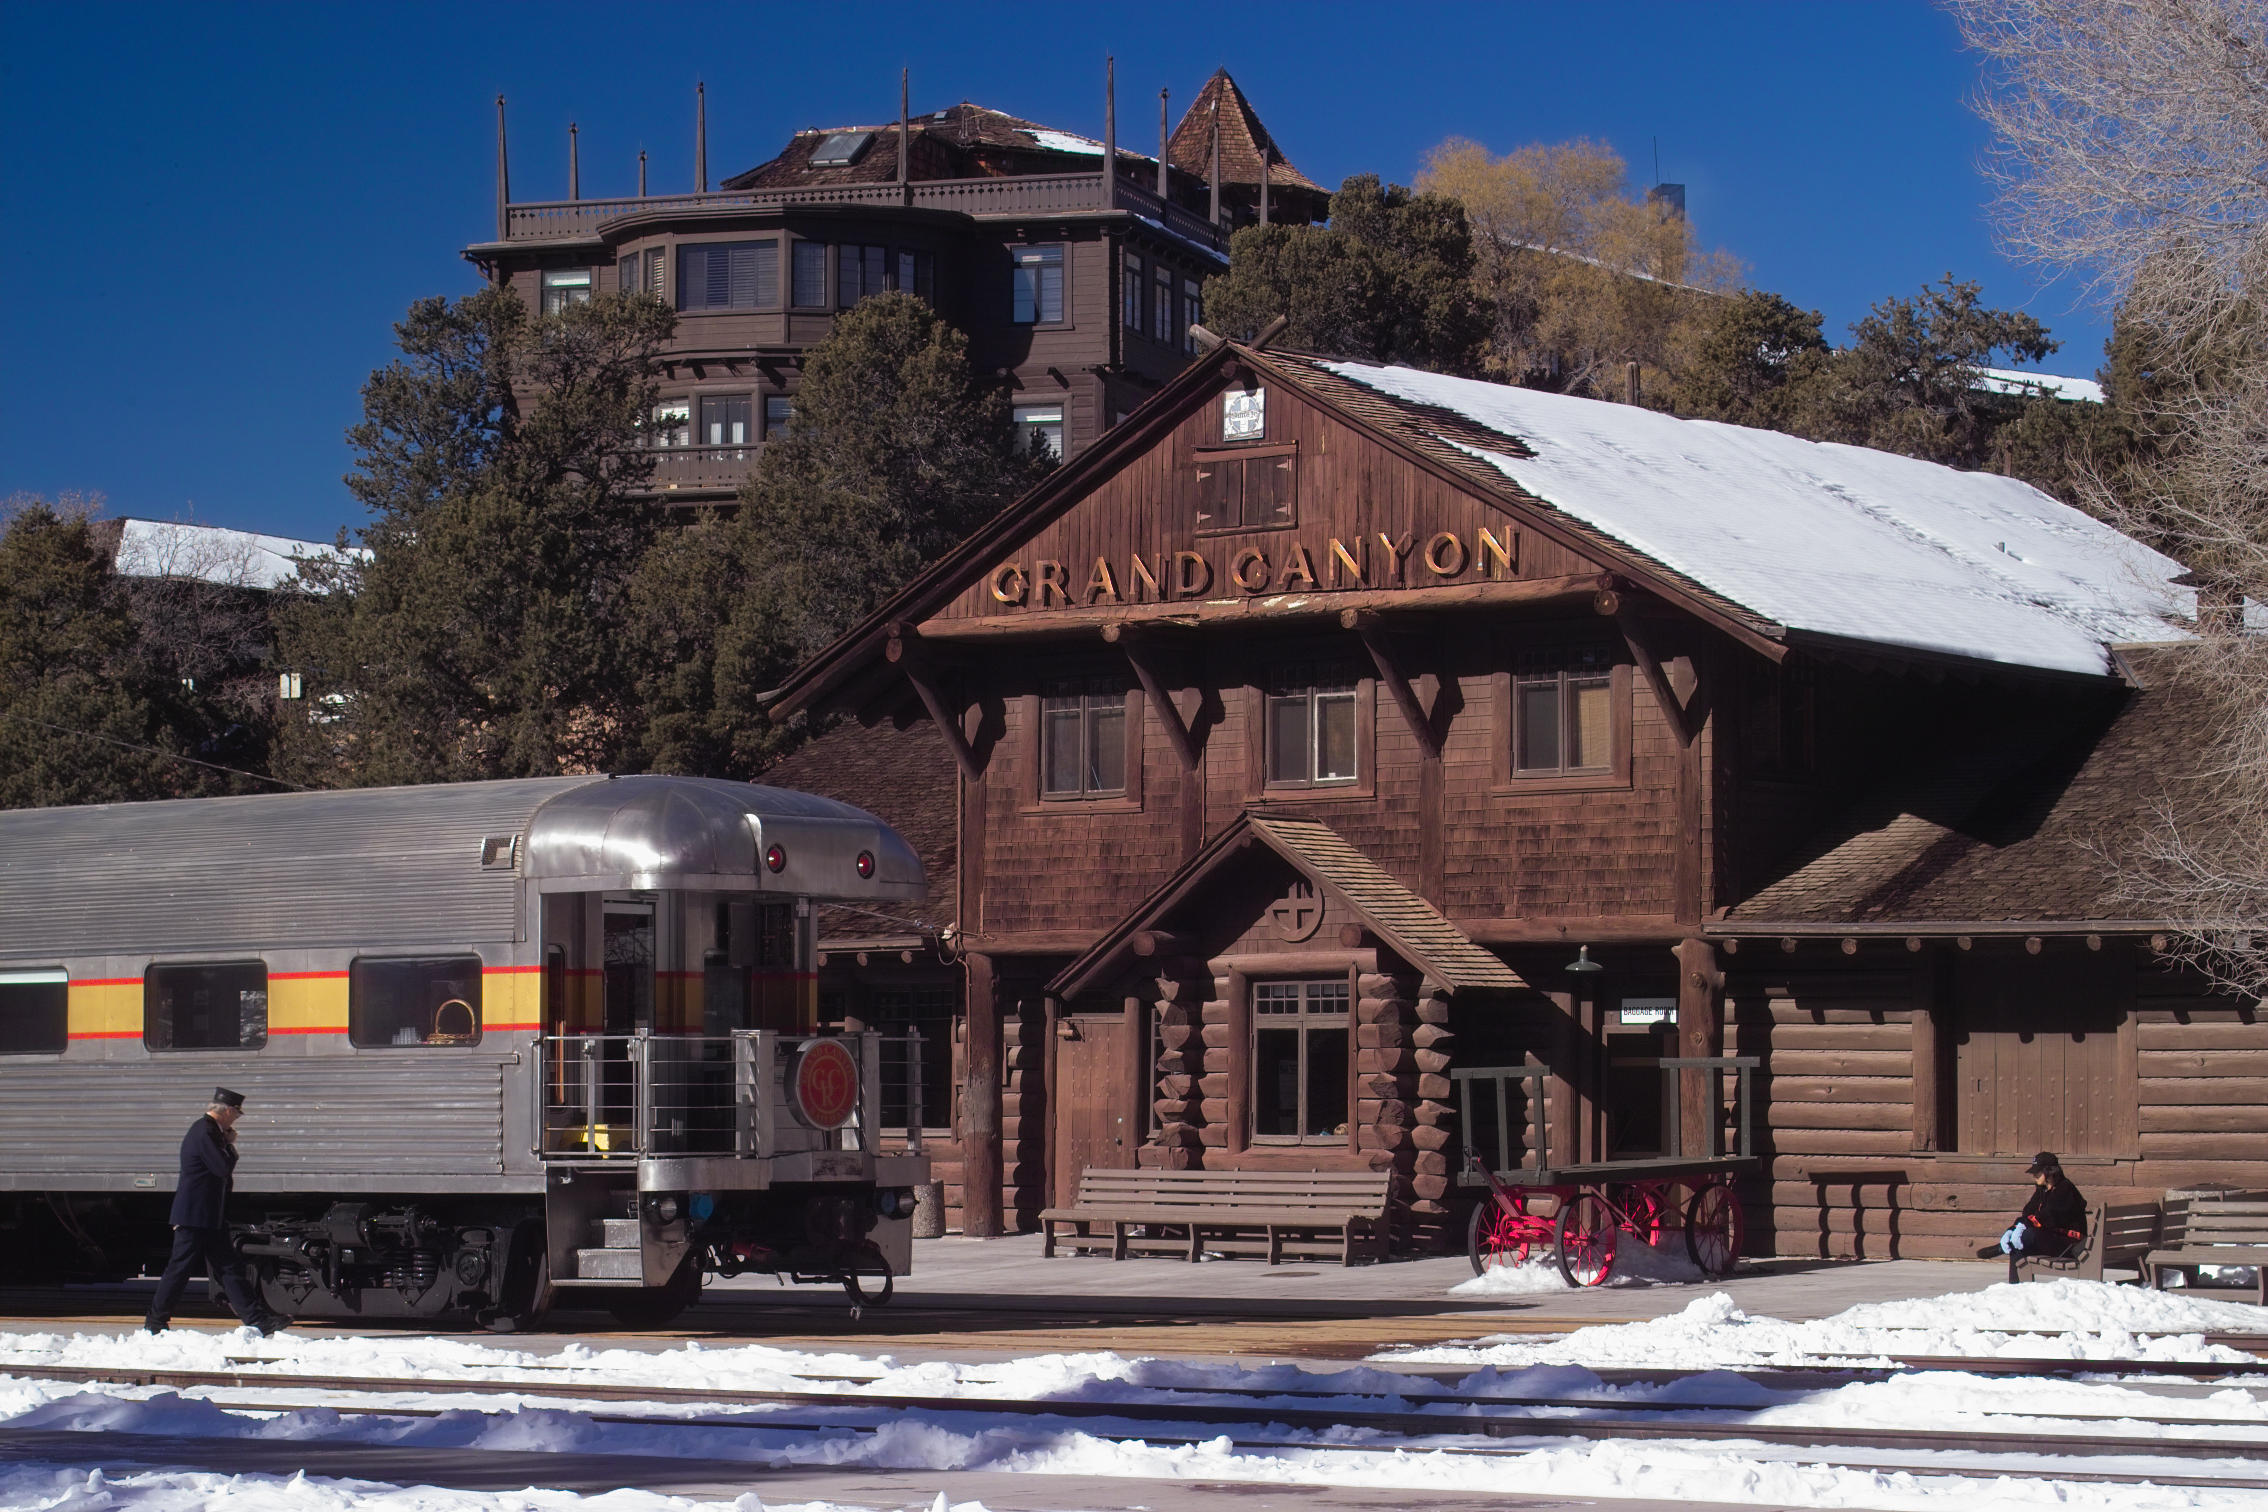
[
  {"x": 1686, "y": 716},
  {"x": 1142, "y": 657},
  {"x": 1157, "y": 942},
  {"x": 905, "y": 653},
  {"x": 1365, "y": 624}
]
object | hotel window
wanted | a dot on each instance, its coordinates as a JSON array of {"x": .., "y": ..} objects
[
  {"x": 1311, "y": 727},
  {"x": 673, "y": 423},
  {"x": 1192, "y": 313},
  {"x": 640, "y": 272},
  {"x": 565, "y": 286},
  {"x": 1083, "y": 739},
  {"x": 724, "y": 420},
  {"x": 810, "y": 275},
  {"x": 858, "y": 273},
  {"x": 212, "y": 1007},
  {"x": 420, "y": 1000},
  {"x": 1039, "y": 429},
  {"x": 917, "y": 275},
  {"x": 1161, "y": 307},
  {"x": 1563, "y": 719},
  {"x": 1299, "y": 1061},
  {"x": 728, "y": 276},
  {"x": 779, "y": 409},
  {"x": 35, "y": 1012},
  {"x": 1038, "y": 287},
  {"x": 1133, "y": 292}
]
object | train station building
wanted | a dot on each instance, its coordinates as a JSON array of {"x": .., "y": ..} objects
[{"x": 1327, "y": 734}]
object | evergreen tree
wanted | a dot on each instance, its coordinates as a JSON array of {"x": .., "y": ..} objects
[
  {"x": 893, "y": 453},
  {"x": 1752, "y": 361},
  {"x": 483, "y": 636},
  {"x": 1389, "y": 279}
]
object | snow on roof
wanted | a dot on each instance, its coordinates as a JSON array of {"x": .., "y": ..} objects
[
  {"x": 1064, "y": 141},
  {"x": 214, "y": 554},
  {"x": 2045, "y": 385},
  {"x": 1836, "y": 540}
]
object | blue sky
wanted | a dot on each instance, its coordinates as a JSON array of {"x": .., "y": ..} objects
[{"x": 218, "y": 210}]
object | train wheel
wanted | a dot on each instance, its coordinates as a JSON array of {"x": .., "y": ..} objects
[
  {"x": 1495, "y": 1238},
  {"x": 1585, "y": 1237},
  {"x": 652, "y": 1306},
  {"x": 1714, "y": 1229}
]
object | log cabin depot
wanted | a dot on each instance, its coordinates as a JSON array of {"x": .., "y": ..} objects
[{"x": 1312, "y": 725}]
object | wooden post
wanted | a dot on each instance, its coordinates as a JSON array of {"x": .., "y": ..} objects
[
  {"x": 574, "y": 164},
  {"x": 1566, "y": 1065},
  {"x": 503, "y": 177},
  {"x": 700, "y": 138},
  {"x": 641, "y": 173},
  {"x": 1700, "y": 1032},
  {"x": 1051, "y": 1021},
  {"x": 1239, "y": 1098},
  {"x": 980, "y": 1106},
  {"x": 1215, "y": 177},
  {"x": 1110, "y": 134},
  {"x": 1162, "y": 139},
  {"x": 1141, "y": 1082}
]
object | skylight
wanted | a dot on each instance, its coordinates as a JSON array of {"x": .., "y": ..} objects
[{"x": 841, "y": 149}]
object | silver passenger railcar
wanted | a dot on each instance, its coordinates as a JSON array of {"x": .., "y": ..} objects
[{"x": 495, "y": 1038}]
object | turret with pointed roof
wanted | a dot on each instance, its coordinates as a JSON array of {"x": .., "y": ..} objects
[{"x": 1245, "y": 145}]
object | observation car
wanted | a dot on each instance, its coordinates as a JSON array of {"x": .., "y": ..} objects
[{"x": 495, "y": 1038}]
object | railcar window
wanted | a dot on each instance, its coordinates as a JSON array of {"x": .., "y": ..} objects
[
  {"x": 413, "y": 1000},
  {"x": 34, "y": 1012},
  {"x": 222, "y": 1006}
]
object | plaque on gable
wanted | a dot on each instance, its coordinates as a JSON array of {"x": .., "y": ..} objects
[
  {"x": 1297, "y": 914},
  {"x": 1244, "y": 415}
]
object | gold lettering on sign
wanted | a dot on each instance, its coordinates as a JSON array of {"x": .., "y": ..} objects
[
  {"x": 1398, "y": 549},
  {"x": 1299, "y": 572},
  {"x": 1142, "y": 582},
  {"x": 1192, "y": 574},
  {"x": 1102, "y": 587},
  {"x": 1008, "y": 584},
  {"x": 1250, "y": 570},
  {"x": 1353, "y": 564},
  {"x": 1506, "y": 552},
  {"x": 1445, "y": 554},
  {"x": 1051, "y": 587}
]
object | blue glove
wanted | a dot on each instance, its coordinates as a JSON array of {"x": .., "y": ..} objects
[{"x": 2013, "y": 1240}]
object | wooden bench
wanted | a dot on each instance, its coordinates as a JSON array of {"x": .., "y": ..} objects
[
  {"x": 2118, "y": 1234},
  {"x": 1229, "y": 1212},
  {"x": 2229, "y": 1231}
]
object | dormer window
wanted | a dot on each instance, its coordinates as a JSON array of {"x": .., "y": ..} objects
[{"x": 841, "y": 149}]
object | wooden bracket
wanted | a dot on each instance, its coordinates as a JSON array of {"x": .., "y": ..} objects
[
  {"x": 1365, "y": 623},
  {"x": 905, "y": 653},
  {"x": 1141, "y": 656},
  {"x": 1686, "y": 716}
]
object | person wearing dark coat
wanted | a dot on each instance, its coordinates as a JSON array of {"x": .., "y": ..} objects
[
  {"x": 2054, "y": 1223},
  {"x": 200, "y": 1220}
]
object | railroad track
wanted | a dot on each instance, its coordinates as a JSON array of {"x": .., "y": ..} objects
[{"x": 1475, "y": 1417}]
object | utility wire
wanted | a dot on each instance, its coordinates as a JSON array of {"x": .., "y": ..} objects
[{"x": 154, "y": 751}]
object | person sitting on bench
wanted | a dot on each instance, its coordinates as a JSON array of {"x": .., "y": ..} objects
[{"x": 2053, "y": 1224}]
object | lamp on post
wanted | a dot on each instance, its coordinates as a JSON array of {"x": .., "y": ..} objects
[{"x": 1583, "y": 965}]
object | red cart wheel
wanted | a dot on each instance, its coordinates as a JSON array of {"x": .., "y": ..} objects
[
  {"x": 1676, "y": 1200},
  {"x": 1585, "y": 1236},
  {"x": 1714, "y": 1229},
  {"x": 1496, "y": 1238}
]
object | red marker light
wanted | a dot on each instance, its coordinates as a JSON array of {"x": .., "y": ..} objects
[
  {"x": 866, "y": 863},
  {"x": 776, "y": 859}
]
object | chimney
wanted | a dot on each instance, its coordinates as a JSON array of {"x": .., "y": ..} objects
[
  {"x": 905, "y": 148},
  {"x": 503, "y": 176},
  {"x": 641, "y": 173},
  {"x": 574, "y": 165},
  {"x": 700, "y": 138},
  {"x": 1671, "y": 197},
  {"x": 1161, "y": 144},
  {"x": 1110, "y": 134}
]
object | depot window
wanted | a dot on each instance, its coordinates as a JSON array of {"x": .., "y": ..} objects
[
  {"x": 1038, "y": 286},
  {"x": 1299, "y": 1061},
  {"x": 1563, "y": 720},
  {"x": 413, "y": 1000},
  {"x": 34, "y": 1012},
  {"x": 1311, "y": 727},
  {"x": 218, "y": 1006},
  {"x": 1083, "y": 739}
]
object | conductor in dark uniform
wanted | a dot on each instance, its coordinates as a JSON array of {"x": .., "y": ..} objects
[{"x": 200, "y": 1219}]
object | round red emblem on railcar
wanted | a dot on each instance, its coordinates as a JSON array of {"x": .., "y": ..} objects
[{"x": 826, "y": 1084}]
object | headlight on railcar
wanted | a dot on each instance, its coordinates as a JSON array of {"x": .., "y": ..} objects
[{"x": 894, "y": 1202}]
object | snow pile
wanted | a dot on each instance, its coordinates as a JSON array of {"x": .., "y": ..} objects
[
  {"x": 2063, "y": 1320},
  {"x": 42, "y": 1489},
  {"x": 1841, "y": 540},
  {"x": 1635, "y": 1264}
]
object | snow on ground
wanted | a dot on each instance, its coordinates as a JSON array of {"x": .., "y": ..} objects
[
  {"x": 2064, "y": 1320},
  {"x": 1634, "y": 1265},
  {"x": 1841, "y": 540},
  {"x": 46, "y": 1489}
]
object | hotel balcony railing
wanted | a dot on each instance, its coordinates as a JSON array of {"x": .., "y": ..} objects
[
  {"x": 700, "y": 469},
  {"x": 987, "y": 198}
]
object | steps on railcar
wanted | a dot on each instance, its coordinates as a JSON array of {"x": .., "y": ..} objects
[{"x": 616, "y": 1256}]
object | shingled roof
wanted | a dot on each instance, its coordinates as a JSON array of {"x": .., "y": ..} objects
[
  {"x": 964, "y": 141},
  {"x": 1244, "y": 140},
  {"x": 907, "y": 779},
  {"x": 2010, "y": 832}
]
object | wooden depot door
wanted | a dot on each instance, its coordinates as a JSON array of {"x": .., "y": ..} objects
[{"x": 1093, "y": 1079}]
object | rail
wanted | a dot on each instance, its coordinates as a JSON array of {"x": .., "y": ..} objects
[
  {"x": 699, "y": 468},
  {"x": 1532, "y": 1152},
  {"x": 621, "y": 1096},
  {"x": 985, "y": 198}
]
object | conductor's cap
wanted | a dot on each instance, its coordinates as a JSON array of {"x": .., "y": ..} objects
[{"x": 224, "y": 1098}]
